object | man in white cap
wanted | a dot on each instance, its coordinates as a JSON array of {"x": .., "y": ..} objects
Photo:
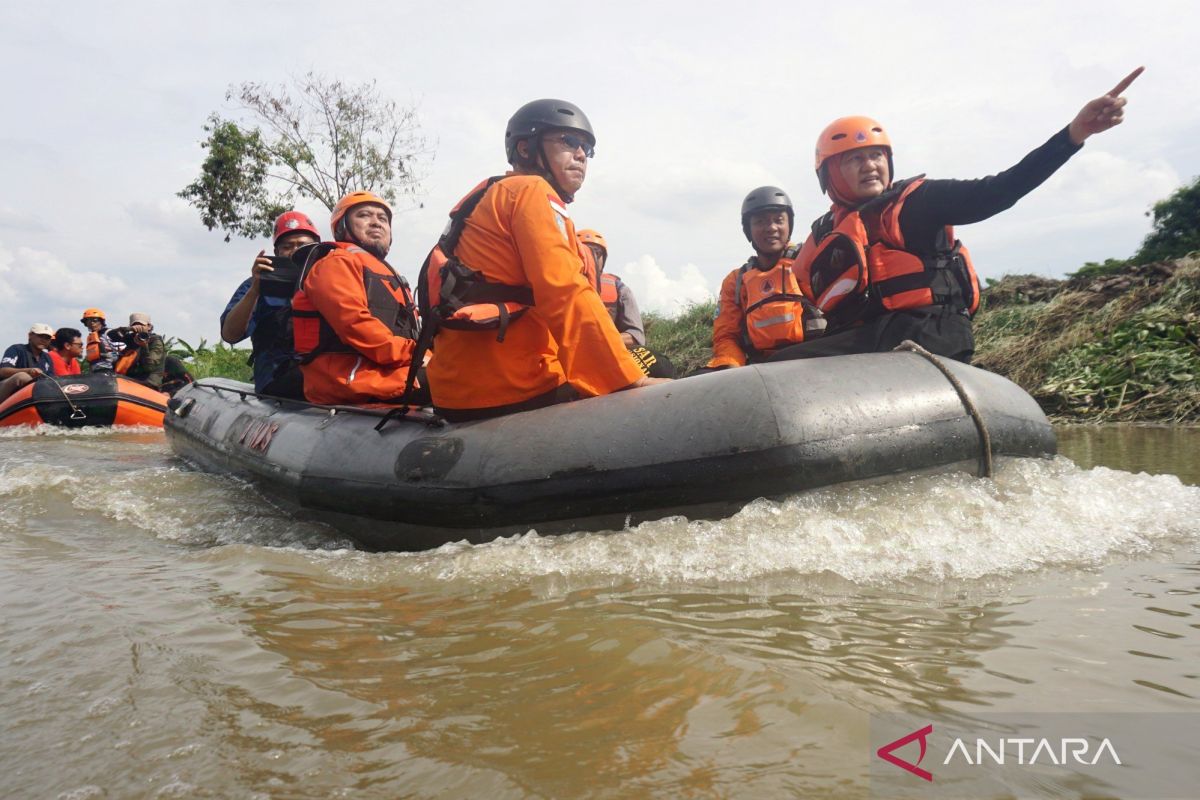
[
  {"x": 24, "y": 363},
  {"x": 145, "y": 353}
]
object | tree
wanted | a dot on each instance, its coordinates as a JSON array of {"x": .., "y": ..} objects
[
  {"x": 318, "y": 139},
  {"x": 1176, "y": 226}
]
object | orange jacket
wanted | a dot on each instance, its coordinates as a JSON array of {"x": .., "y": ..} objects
[
  {"x": 521, "y": 234},
  {"x": 377, "y": 371},
  {"x": 856, "y": 264},
  {"x": 729, "y": 326},
  {"x": 63, "y": 366}
]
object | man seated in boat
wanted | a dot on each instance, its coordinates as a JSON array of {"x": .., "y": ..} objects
[
  {"x": 22, "y": 364},
  {"x": 261, "y": 312},
  {"x": 66, "y": 352},
  {"x": 101, "y": 351},
  {"x": 517, "y": 326},
  {"x": 354, "y": 319},
  {"x": 145, "y": 353},
  {"x": 920, "y": 284},
  {"x": 621, "y": 304},
  {"x": 761, "y": 308}
]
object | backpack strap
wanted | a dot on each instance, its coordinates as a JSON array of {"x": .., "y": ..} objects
[{"x": 428, "y": 311}]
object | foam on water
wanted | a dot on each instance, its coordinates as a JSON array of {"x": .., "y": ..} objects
[
  {"x": 1034, "y": 514},
  {"x": 57, "y": 431},
  {"x": 121, "y": 484}
]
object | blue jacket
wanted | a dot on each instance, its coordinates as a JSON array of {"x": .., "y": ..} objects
[{"x": 267, "y": 361}]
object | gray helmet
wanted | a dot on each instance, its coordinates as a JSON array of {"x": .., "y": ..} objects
[
  {"x": 538, "y": 116},
  {"x": 767, "y": 198}
]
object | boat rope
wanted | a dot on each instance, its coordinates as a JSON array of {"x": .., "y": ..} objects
[
  {"x": 76, "y": 411},
  {"x": 985, "y": 438},
  {"x": 405, "y": 413}
]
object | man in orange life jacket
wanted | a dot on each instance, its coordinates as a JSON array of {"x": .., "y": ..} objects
[
  {"x": 67, "y": 351},
  {"x": 354, "y": 321},
  {"x": 556, "y": 341},
  {"x": 883, "y": 265},
  {"x": 621, "y": 304},
  {"x": 761, "y": 308}
]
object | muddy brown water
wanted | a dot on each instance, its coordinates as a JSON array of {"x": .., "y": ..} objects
[{"x": 168, "y": 633}]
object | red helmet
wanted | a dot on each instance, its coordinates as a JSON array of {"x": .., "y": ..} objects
[
  {"x": 850, "y": 133},
  {"x": 294, "y": 222}
]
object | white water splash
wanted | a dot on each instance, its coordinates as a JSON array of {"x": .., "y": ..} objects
[
  {"x": 1034, "y": 514},
  {"x": 58, "y": 431}
]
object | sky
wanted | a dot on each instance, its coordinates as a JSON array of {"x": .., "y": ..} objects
[{"x": 694, "y": 104}]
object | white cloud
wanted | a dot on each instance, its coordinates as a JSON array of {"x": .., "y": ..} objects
[
  {"x": 19, "y": 220},
  {"x": 37, "y": 286},
  {"x": 657, "y": 291}
]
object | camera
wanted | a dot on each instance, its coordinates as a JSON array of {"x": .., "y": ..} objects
[
  {"x": 283, "y": 281},
  {"x": 129, "y": 336}
]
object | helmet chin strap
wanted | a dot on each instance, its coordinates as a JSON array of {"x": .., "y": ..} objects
[{"x": 543, "y": 168}]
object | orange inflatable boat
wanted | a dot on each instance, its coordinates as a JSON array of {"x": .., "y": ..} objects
[{"x": 77, "y": 401}]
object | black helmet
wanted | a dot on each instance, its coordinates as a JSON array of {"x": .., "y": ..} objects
[
  {"x": 767, "y": 198},
  {"x": 538, "y": 116}
]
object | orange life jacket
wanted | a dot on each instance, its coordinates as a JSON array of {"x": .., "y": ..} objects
[
  {"x": 452, "y": 295},
  {"x": 775, "y": 312},
  {"x": 129, "y": 357},
  {"x": 860, "y": 267},
  {"x": 313, "y": 335},
  {"x": 607, "y": 285},
  {"x": 610, "y": 291}
]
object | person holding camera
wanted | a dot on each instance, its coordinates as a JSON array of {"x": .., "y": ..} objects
[
  {"x": 145, "y": 354},
  {"x": 261, "y": 309}
]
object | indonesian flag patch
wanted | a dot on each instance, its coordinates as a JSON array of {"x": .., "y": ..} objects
[{"x": 561, "y": 215}]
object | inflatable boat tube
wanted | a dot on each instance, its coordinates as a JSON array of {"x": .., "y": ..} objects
[
  {"x": 703, "y": 447},
  {"x": 77, "y": 401}
]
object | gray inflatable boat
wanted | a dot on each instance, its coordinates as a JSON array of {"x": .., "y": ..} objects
[{"x": 702, "y": 447}]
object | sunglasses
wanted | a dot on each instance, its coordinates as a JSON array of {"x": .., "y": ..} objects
[{"x": 573, "y": 143}]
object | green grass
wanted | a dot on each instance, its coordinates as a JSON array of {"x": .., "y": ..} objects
[
  {"x": 686, "y": 339},
  {"x": 207, "y": 362}
]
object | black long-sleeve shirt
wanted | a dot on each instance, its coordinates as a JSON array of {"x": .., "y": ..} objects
[{"x": 937, "y": 203}]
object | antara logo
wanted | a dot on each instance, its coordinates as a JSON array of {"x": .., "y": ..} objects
[
  {"x": 885, "y": 753},
  {"x": 1027, "y": 752}
]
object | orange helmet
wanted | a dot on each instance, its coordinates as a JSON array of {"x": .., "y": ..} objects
[
  {"x": 589, "y": 236},
  {"x": 356, "y": 199},
  {"x": 92, "y": 312},
  {"x": 850, "y": 133}
]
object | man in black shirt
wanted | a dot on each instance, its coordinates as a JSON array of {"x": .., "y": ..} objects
[{"x": 883, "y": 264}]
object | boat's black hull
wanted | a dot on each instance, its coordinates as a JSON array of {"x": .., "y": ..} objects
[{"x": 704, "y": 445}]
